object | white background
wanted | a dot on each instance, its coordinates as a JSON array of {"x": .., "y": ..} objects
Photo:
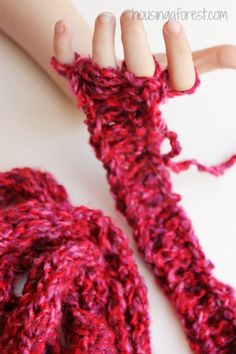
[{"x": 40, "y": 128}]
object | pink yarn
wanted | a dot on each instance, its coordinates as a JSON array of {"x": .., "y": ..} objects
[
  {"x": 83, "y": 293},
  {"x": 127, "y": 131}
]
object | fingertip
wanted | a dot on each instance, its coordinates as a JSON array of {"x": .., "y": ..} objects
[
  {"x": 103, "y": 52},
  {"x": 172, "y": 27},
  {"x": 105, "y": 17},
  {"x": 127, "y": 15},
  {"x": 60, "y": 27},
  {"x": 137, "y": 53},
  {"x": 179, "y": 57},
  {"x": 63, "y": 42},
  {"x": 130, "y": 18}
]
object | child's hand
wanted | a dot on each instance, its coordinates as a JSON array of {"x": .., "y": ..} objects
[{"x": 137, "y": 53}]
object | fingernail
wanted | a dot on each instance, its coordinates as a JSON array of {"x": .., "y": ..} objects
[
  {"x": 105, "y": 17},
  {"x": 173, "y": 26},
  {"x": 128, "y": 14},
  {"x": 60, "y": 28}
]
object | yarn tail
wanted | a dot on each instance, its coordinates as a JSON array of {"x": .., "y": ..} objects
[
  {"x": 180, "y": 166},
  {"x": 217, "y": 170}
]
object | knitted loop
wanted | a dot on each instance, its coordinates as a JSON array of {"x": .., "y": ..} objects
[
  {"x": 126, "y": 131},
  {"x": 83, "y": 293}
]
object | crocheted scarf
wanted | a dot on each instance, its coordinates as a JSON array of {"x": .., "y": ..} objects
[{"x": 83, "y": 293}]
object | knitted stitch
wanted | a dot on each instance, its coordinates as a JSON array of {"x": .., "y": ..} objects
[
  {"x": 126, "y": 131},
  {"x": 83, "y": 293}
]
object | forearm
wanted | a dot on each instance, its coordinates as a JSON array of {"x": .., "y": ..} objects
[{"x": 30, "y": 23}]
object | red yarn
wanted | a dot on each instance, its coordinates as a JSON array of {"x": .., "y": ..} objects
[
  {"x": 82, "y": 283},
  {"x": 126, "y": 131}
]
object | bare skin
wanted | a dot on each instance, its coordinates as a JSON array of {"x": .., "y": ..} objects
[
  {"x": 137, "y": 54},
  {"x": 31, "y": 24}
]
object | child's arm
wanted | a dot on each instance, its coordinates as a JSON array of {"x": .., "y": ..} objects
[{"x": 31, "y": 25}]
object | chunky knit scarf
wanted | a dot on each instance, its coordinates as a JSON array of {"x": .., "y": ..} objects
[
  {"x": 126, "y": 131},
  {"x": 83, "y": 293}
]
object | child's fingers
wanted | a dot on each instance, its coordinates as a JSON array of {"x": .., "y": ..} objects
[
  {"x": 208, "y": 59},
  {"x": 179, "y": 57},
  {"x": 138, "y": 56},
  {"x": 103, "y": 40},
  {"x": 63, "y": 43},
  {"x": 219, "y": 57}
]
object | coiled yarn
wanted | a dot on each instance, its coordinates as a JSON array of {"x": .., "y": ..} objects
[{"x": 83, "y": 293}]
